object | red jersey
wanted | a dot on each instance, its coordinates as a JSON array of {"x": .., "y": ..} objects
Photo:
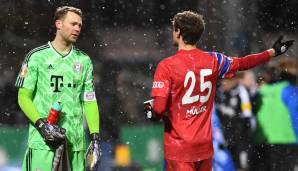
[{"x": 188, "y": 81}]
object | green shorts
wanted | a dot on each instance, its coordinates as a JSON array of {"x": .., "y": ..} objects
[{"x": 41, "y": 160}]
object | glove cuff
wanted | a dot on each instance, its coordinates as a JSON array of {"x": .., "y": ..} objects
[
  {"x": 95, "y": 137},
  {"x": 39, "y": 123}
]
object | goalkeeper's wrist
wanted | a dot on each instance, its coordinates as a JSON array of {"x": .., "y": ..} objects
[
  {"x": 39, "y": 122},
  {"x": 271, "y": 52},
  {"x": 34, "y": 119},
  {"x": 95, "y": 137}
]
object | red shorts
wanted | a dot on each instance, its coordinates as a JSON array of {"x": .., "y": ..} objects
[{"x": 203, "y": 165}]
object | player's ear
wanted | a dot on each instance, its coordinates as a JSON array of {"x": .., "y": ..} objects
[
  {"x": 177, "y": 32},
  {"x": 58, "y": 24}
]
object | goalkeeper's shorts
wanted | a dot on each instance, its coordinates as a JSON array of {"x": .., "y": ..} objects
[{"x": 41, "y": 160}]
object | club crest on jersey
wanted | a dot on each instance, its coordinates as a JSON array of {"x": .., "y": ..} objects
[
  {"x": 24, "y": 71},
  {"x": 77, "y": 67}
]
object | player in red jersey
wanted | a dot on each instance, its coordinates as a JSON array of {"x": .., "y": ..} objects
[{"x": 184, "y": 89}]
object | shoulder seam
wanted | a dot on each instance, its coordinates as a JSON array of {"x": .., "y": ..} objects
[
  {"x": 20, "y": 80},
  {"x": 34, "y": 51},
  {"x": 75, "y": 48}
]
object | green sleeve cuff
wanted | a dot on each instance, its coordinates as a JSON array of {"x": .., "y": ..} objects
[
  {"x": 26, "y": 104},
  {"x": 92, "y": 116}
]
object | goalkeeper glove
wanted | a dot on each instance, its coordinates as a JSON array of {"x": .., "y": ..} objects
[
  {"x": 93, "y": 154},
  {"x": 148, "y": 107},
  {"x": 282, "y": 47},
  {"x": 148, "y": 110},
  {"x": 52, "y": 134}
]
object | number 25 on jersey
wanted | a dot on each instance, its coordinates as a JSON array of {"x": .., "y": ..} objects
[{"x": 190, "y": 76}]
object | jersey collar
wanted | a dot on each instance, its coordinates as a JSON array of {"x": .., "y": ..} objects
[
  {"x": 183, "y": 51},
  {"x": 59, "y": 54}
]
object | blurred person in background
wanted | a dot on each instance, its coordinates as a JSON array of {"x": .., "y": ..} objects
[
  {"x": 130, "y": 85},
  {"x": 222, "y": 159},
  {"x": 9, "y": 110},
  {"x": 235, "y": 112},
  {"x": 248, "y": 80},
  {"x": 183, "y": 92},
  {"x": 59, "y": 72},
  {"x": 277, "y": 120},
  {"x": 3, "y": 162}
]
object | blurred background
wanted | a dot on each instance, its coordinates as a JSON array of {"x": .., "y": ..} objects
[{"x": 126, "y": 40}]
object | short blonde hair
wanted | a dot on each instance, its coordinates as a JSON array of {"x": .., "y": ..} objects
[{"x": 62, "y": 11}]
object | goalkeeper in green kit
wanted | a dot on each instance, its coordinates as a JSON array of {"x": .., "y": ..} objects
[{"x": 59, "y": 72}]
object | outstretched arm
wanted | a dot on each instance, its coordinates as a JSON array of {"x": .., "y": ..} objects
[
  {"x": 253, "y": 60},
  {"x": 250, "y": 61},
  {"x": 228, "y": 66}
]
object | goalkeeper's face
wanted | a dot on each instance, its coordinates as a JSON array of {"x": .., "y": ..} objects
[{"x": 69, "y": 27}]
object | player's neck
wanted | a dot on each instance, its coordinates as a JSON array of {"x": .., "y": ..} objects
[
  {"x": 61, "y": 46},
  {"x": 183, "y": 46}
]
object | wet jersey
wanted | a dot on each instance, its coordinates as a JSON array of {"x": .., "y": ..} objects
[
  {"x": 67, "y": 79},
  {"x": 188, "y": 81}
]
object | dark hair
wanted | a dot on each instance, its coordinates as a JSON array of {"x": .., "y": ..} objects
[
  {"x": 62, "y": 11},
  {"x": 191, "y": 26}
]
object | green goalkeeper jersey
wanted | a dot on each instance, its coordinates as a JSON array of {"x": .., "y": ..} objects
[{"x": 67, "y": 79}]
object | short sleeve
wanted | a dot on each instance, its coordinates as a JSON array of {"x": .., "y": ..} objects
[
  {"x": 162, "y": 83},
  {"x": 27, "y": 76},
  {"x": 88, "y": 91}
]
